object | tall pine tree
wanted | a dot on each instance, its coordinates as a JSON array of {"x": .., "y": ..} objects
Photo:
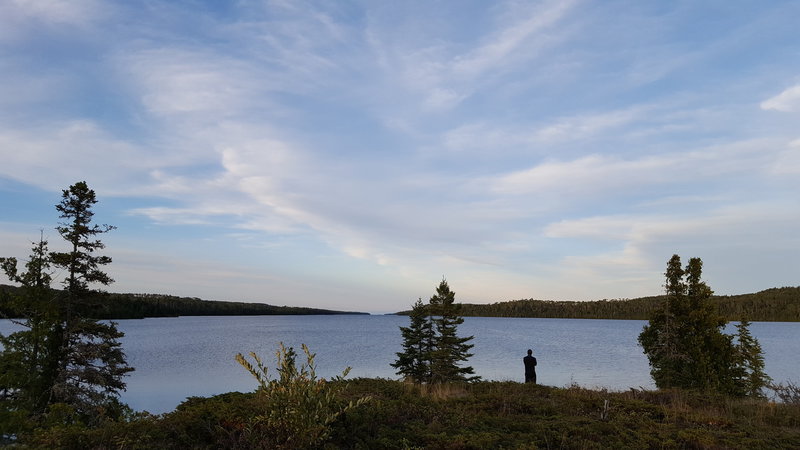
[
  {"x": 449, "y": 349},
  {"x": 92, "y": 362},
  {"x": 413, "y": 363},
  {"x": 71, "y": 359},
  {"x": 26, "y": 362},
  {"x": 750, "y": 362},
  {"x": 432, "y": 350}
]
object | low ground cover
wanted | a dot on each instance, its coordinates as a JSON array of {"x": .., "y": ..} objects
[{"x": 462, "y": 416}]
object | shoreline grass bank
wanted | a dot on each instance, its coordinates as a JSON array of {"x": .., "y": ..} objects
[{"x": 466, "y": 416}]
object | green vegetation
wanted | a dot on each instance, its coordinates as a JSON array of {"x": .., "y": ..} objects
[
  {"x": 685, "y": 344},
  {"x": 112, "y": 306},
  {"x": 748, "y": 363},
  {"x": 61, "y": 361},
  {"x": 413, "y": 363},
  {"x": 468, "y": 416},
  {"x": 297, "y": 408},
  {"x": 432, "y": 350},
  {"x": 771, "y": 305}
]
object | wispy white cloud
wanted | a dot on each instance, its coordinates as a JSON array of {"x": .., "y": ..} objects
[
  {"x": 184, "y": 82},
  {"x": 587, "y": 125},
  {"x": 788, "y": 160},
  {"x": 49, "y": 157},
  {"x": 594, "y": 174},
  {"x": 50, "y": 12},
  {"x": 612, "y": 228},
  {"x": 538, "y": 137},
  {"x": 444, "y": 74},
  {"x": 525, "y": 29},
  {"x": 786, "y": 101}
]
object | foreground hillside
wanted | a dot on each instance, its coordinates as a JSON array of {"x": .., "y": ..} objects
[
  {"x": 479, "y": 415},
  {"x": 776, "y": 305},
  {"x": 138, "y": 306}
]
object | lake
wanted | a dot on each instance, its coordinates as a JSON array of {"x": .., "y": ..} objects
[{"x": 194, "y": 356}]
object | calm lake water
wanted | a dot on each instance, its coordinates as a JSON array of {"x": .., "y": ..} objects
[{"x": 194, "y": 356}]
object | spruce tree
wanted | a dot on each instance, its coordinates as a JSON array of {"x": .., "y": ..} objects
[
  {"x": 750, "y": 362},
  {"x": 432, "y": 351},
  {"x": 26, "y": 359},
  {"x": 449, "y": 349},
  {"x": 711, "y": 352},
  {"x": 685, "y": 344},
  {"x": 413, "y": 363},
  {"x": 70, "y": 358},
  {"x": 92, "y": 363},
  {"x": 660, "y": 337}
]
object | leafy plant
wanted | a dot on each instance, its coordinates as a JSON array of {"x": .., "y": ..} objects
[{"x": 298, "y": 407}]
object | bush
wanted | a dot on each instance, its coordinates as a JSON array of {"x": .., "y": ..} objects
[
  {"x": 297, "y": 409},
  {"x": 788, "y": 393}
]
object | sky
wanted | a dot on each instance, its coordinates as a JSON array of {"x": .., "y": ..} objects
[{"x": 352, "y": 154}]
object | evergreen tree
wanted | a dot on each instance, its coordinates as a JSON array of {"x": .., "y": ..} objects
[
  {"x": 711, "y": 352},
  {"x": 27, "y": 372},
  {"x": 660, "y": 338},
  {"x": 750, "y": 362},
  {"x": 449, "y": 349},
  {"x": 684, "y": 341},
  {"x": 413, "y": 362},
  {"x": 432, "y": 351},
  {"x": 91, "y": 363},
  {"x": 69, "y": 358}
]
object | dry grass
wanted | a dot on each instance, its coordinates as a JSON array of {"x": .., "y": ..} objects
[{"x": 439, "y": 392}]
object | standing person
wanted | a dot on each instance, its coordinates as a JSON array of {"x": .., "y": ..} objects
[{"x": 530, "y": 367}]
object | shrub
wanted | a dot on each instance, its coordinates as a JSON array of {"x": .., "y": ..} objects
[
  {"x": 788, "y": 393},
  {"x": 297, "y": 407}
]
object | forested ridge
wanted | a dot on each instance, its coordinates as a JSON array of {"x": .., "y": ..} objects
[
  {"x": 771, "y": 305},
  {"x": 138, "y": 306}
]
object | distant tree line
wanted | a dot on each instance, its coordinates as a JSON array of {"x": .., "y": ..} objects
[
  {"x": 771, "y": 305},
  {"x": 114, "y": 306}
]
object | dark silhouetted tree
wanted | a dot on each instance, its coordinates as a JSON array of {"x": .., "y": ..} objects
[
  {"x": 684, "y": 341},
  {"x": 413, "y": 362},
  {"x": 750, "y": 362},
  {"x": 449, "y": 349},
  {"x": 71, "y": 359},
  {"x": 660, "y": 338},
  {"x": 26, "y": 363},
  {"x": 432, "y": 350}
]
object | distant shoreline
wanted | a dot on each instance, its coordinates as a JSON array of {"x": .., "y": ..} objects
[
  {"x": 116, "y": 306},
  {"x": 770, "y": 305}
]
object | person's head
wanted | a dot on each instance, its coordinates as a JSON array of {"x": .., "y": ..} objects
[{"x": 530, "y": 352}]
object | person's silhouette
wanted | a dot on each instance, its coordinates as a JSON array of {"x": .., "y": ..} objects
[{"x": 530, "y": 367}]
